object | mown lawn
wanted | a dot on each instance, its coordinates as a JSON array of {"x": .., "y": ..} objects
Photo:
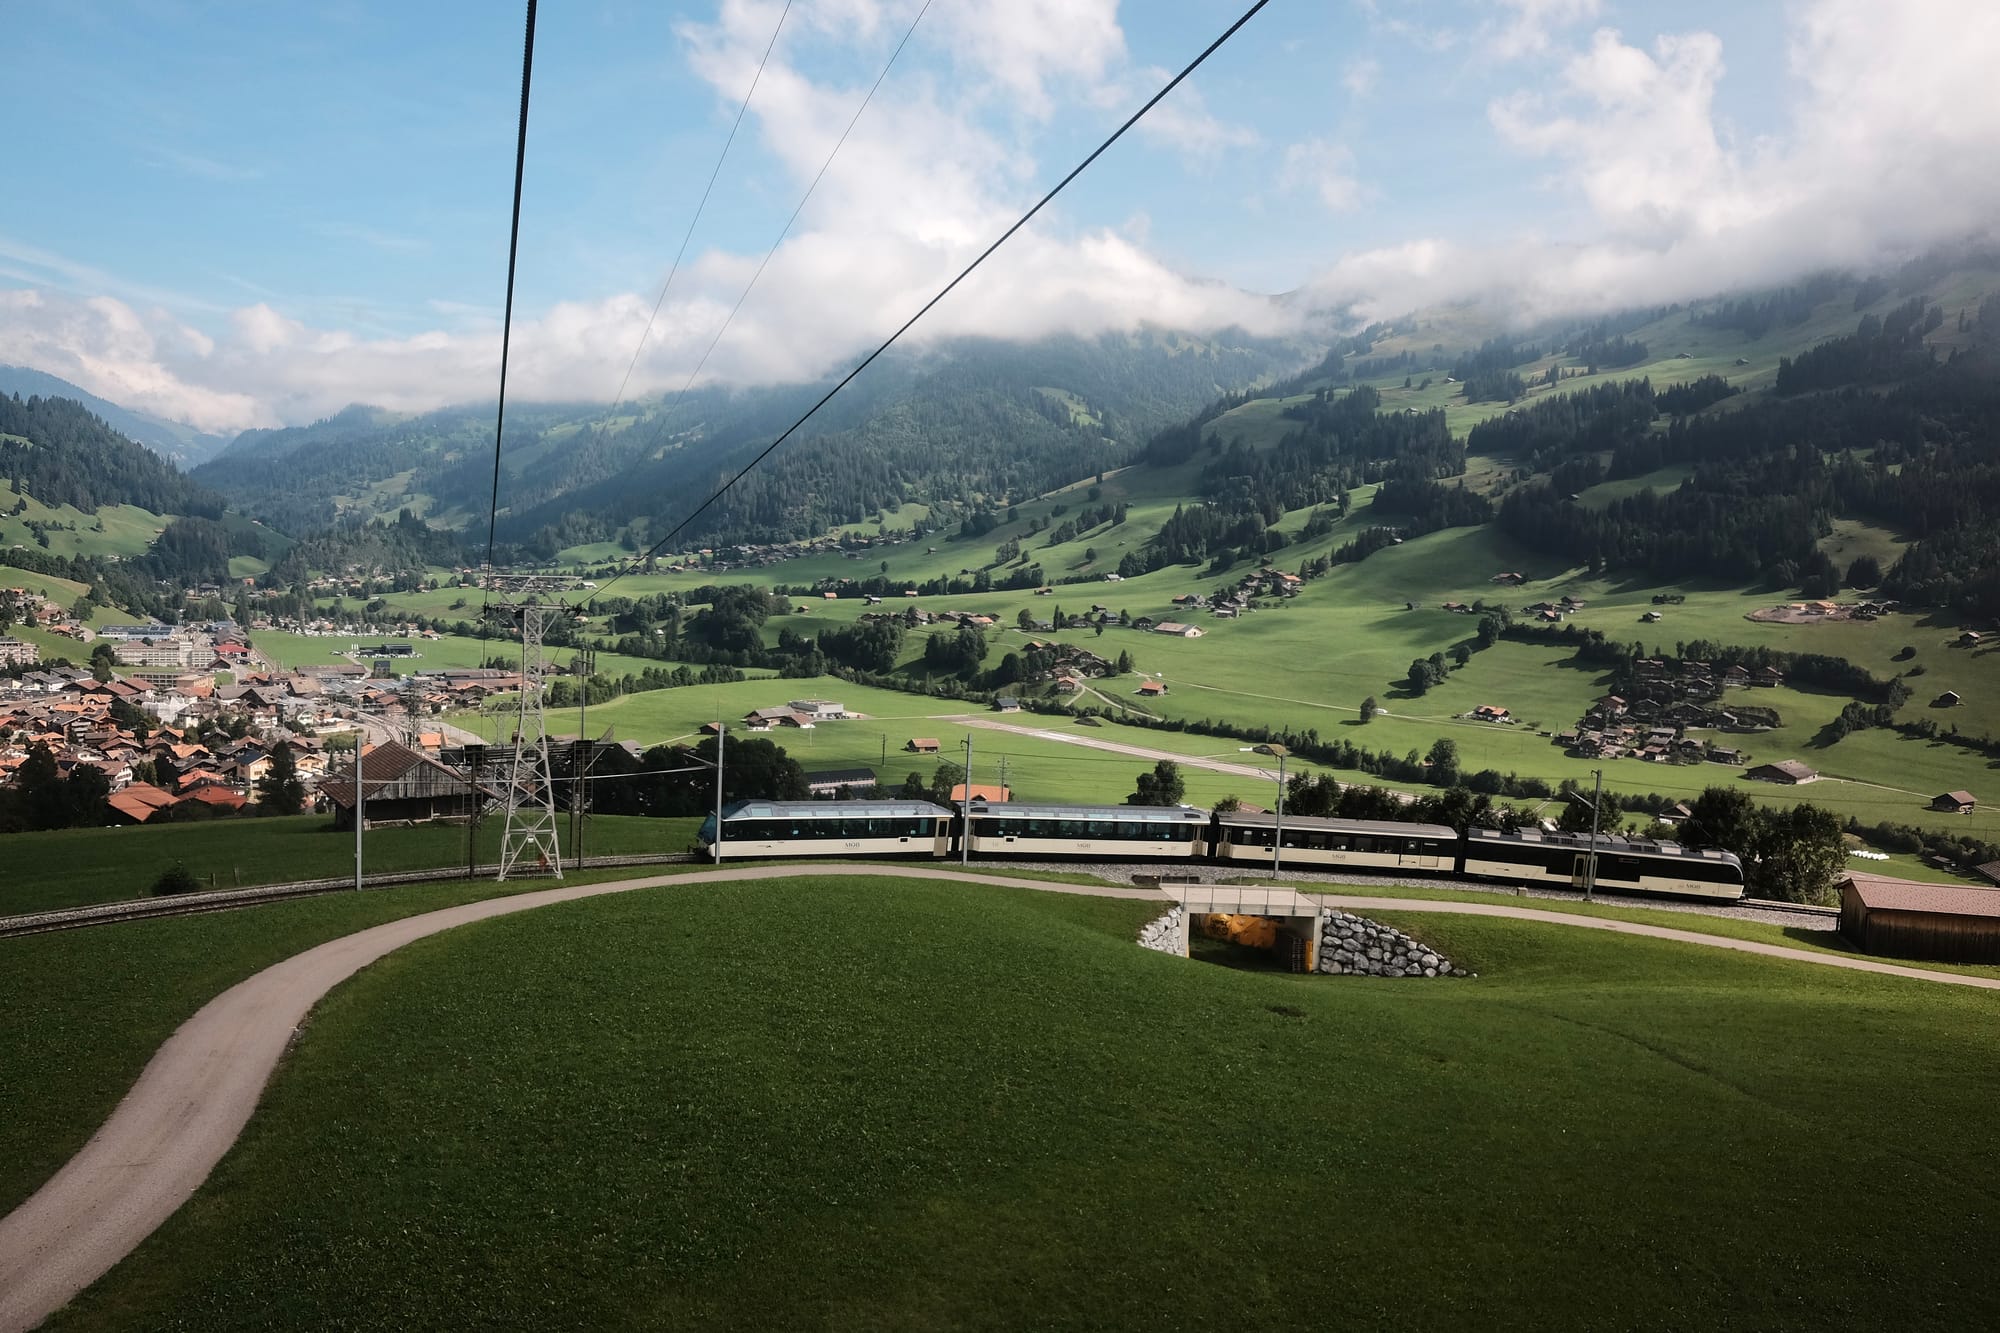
[
  {"x": 918, "y": 1106},
  {"x": 73, "y": 867}
]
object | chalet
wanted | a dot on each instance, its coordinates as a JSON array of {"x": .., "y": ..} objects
[
  {"x": 1511, "y": 579},
  {"x": 220, "y": 796},
  {"x": 1788, "y": 771},
  {"x": 923, "y": 745},
  {"x": 819, "y": 710},
  {"x": 398, "y": 785},
  {"x": 1188, "y": 599},
  {"x": 1143, "y": 624},
  {"x": 1954, "y": 803},
  {"x": 1152, "y": 689},
  {"x": 1067, "y": 682},
  {"x": 1903, "y": 919},
  {"x": 1767, "y": 677},
  {"x": 763, "y": 719},
  {"x": 137, "y": 802},
  {"x": 1651, "y": 617},
  {"x": 1949, "y": 699},
  {"x": 1990, "y": 872},
  {"x": 830, "y": 781},
  {"x": 1007, "y": 703},
  {"x": 1174, "y": 627},
  {"x": 1970, "y": 639},
  {"x": 1736, "y": 675},
  {"x": 989, "y": 794},
  {"x": 1490, "y": 713}
]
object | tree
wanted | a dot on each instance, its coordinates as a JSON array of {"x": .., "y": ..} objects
[
  {"x": 176, "y": 879},
  {"x": 1422, "y": 676},
  {"x": 946, "y": 776},
  {"x": 1722, "y": 818},
  {"x": 1162, "y": 786},
  {"x": 1799, "y": 854},
  {"x": 279, "y": 791},
  {"x": 1460, "y": 655},
  {"x": 1864, "y": 572},
  {"x": 1228, "y": 805},
  {"x": 1124, "y": 663},
  {"x": 1368, "y": 709},
  {"x": 1444, "y": 762}
]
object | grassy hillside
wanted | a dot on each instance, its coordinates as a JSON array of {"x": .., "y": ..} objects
[
  {"x": 757, "y": 1130},
  {"x": 73, "y": 867}
]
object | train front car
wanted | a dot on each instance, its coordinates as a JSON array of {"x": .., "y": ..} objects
[
  {"x": 1624, "y": 865},
  {"x": 1355, "y": 844},
  {"x": 1090, "y": 832},
  {"x": 754, "y": 830}
]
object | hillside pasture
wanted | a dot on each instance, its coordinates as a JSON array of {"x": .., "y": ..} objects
[
  {"x": 75, "y": 867},
  {"x": 763, "y": 1125}
]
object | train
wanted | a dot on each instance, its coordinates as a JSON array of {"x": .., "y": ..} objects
[{"x": 760, "y": 830}]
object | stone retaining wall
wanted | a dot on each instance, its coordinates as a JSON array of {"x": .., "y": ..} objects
[
  {"x": 1354, "y": 945},
  {"x": 1164, "y": 933}
]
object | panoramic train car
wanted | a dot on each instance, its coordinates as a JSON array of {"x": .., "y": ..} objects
[
  {"x": 1351, "y": 844},
  {"x": 757, "y": 829},
  {"x": 1104, "y": 832},
  {"x": 1623, "y": 865}
]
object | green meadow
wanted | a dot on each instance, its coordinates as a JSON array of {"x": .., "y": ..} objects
[
  {"x": 677, "y": 1106},
  {"x": 76, "y": 867}
]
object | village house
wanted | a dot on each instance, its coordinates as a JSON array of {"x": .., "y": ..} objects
[
  {"x": 1954, "y": 803},
  {"x": 1490, "y": 713},
  {"x": 923, "y": 745},
  {"x": 1175, "y": 628},
  {"x": 1788, "y": 771}
]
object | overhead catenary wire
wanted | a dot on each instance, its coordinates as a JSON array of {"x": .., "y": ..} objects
[
  {"x": 926, "y": 308},
  {"x": 694, "y": 221},
  {"x": 513, "y": 253},
  {"x": 667, "y": 416}
]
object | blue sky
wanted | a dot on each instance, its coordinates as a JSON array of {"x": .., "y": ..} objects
[{"x": 239, "y": 215}]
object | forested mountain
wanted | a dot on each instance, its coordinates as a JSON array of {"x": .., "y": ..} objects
[
  {"x": 61, "y": 453},
  {"x": 172, "y": 440},
  {"x": 973, "y": 423}
]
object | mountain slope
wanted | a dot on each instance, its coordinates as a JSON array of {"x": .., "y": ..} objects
[
  {"x": 173, "y": 440},
  {"x": 972, "y": 423}
]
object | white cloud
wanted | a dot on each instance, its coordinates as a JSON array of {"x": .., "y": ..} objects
[
  {"x": 1891, "y": 145},
  {"x": 1328, "y": 170},
  {"x": 1361, "y": 76},
  {"x": 1527, "y": 26}
]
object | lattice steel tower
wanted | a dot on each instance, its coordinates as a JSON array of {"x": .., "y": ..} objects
[{"x": 528, "y": 845}]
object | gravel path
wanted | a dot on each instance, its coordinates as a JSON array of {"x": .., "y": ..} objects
[{"x": 198, "y": 1091}]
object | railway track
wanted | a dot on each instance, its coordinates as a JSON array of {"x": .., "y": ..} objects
[{"x": 225, "y": 900}]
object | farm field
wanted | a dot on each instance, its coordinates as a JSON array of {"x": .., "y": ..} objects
[
  {"x": 448, "y": 650},
  {"x": 1003, "y": 1055},
  {"x": 1037, "y": 769},
  {"x": 74, "y": 867},
  {"x": 1308, "y": 664}
]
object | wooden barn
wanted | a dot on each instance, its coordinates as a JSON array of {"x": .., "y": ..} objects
[
  {"x": 1900, "y": 918},
  {"x": 401, "y": 785}
]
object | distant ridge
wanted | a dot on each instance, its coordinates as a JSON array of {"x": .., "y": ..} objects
[{"x": 180, "y": 444}]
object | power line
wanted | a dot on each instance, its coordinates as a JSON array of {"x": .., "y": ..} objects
[
  {"x": 667, "y": 416},
  {"x": 947, "y": 289},
  {"x": 513, "y": 252},
  {"x": 696, "y": 219}
]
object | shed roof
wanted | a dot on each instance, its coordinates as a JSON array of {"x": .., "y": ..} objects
[{"x": 1879, "y": 893}]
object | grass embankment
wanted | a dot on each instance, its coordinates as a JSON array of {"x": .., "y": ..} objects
[
  {"x": 74, "y": 867},
  {"x": 921, "y": 1106},
  {"x": 87, "y": 1008}
]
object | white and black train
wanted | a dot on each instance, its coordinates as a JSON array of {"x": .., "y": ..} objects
[{"x": 755, "y": 830}]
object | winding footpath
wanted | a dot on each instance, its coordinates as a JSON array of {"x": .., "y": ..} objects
[{"x": 198, "y": 1091}]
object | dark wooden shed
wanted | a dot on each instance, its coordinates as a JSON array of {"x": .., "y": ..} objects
[
  {"x": 1900, "y": 918},
  {"x": 402, "y": 786}
]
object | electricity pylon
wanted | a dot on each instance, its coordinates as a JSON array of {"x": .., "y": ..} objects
[{"x": 528, "y": 844}]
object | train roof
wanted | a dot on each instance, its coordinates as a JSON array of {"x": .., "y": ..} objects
[
  {"x": 832, "y": 810},
  {"x": 1606, "y": 844},
  {"x": 1153, "y": 814},
  {"x": 1378, "y": 827}
]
